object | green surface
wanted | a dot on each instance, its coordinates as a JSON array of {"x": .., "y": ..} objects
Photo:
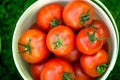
[{"x": 10, "y": 11}]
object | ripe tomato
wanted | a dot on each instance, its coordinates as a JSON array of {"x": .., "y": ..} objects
[
  {"x": 35, "y": 70},
  {"x": 73, "y": 56},
  {"x": 49, "y": 16},
  {"x": 102, "y": 29},
  {"x": 79, "y": 73},
  {"x": 60, "y": 40},
  {"x": 77, "y": 13},
  {"x": 32, "y": 46},
  {"x": 94, "y": 65},
  {"x": 57, "y": 69},
  {"x": 87, "y": 41}
]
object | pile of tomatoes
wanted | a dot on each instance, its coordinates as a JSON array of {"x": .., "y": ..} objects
[{"x": 66, "y": 43}]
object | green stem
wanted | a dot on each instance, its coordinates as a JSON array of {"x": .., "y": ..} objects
[
  {"x": 54, "y": 23},
  {"x": 92, "y": 38},
  {"x": 27, "y": 47},
  {"x": 58, "y": 42},
  {"x": 101, "y": 68},
  {"x": 85, "y": 17},
  {"x": 67, "y": 76}
]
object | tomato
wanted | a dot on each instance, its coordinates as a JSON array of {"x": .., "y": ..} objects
[
  {"x": 87, "y": 41},
  {"x": 49, "y": 16},
  {"x": 57, "y": 69},
  {"x": 79, "y": 73},
  {"x": 102, "y": 29},
  {"x": 60, "y": 40},
  {"x": 32, "y": 46},
  {"x": 34, "y": 26},
  {"x": 73, "y": 56},
  {"x": 36, "y": 69},
  {"x": 76, "y": 14},
  {"x": 94, "y": 65}
]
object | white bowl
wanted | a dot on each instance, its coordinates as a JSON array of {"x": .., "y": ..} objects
[{"x": 28, "y": 18}]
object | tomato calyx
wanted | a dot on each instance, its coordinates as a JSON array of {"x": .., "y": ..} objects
[
  {"x": 91, "y": 36},
  {"x": 67, "y": 76},
  {"x": 54, "y": 22},
  {"x": 101, "y": 68},
  {"x": 27, "y": 47},
  {"x": 84, "y": 17},
  {"x": 58, "y": 42}
]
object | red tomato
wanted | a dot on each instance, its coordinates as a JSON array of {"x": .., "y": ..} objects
[
  {"x": 35, "y": 70},
  {"x": 102, "y": 29},
  {"x": 94, "y": 65},
  {"x": 77, "y": 13},
  {"x": 32, "y": 46},
  {"x": 49, "y": 16},
  {"x": 87, "y": 41},
  {"x": 73, "y": 56},
  {"x": 34, "y": 26},
  {"x": 57, "y": 69},
  {"x": 60, "y": 40},
  {"x": 80, "y": 74}
]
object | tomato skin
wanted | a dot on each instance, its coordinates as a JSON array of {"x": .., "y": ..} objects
[
  {"x": 90, "y": 63},
  {"x": 79, "y": 73},
  {"x": 54, "y": 69},
  {"x": 35, "y": 70},
  {"x": 102, "y": 29},
  {"x": 84, "y": 45},
  {"x": 65, "y": 35},
  {"x": 73, "y": 56},
  {"x": 74, "y": 10},
  {"x": 47, "y": 14},
  {"x": 38, "y": 50}
]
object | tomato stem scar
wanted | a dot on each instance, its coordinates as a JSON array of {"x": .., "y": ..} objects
[
  {"x": 101, "y": 68},
  {"x": 84, "y": 17},
  {"x": 58, "y": 42},
  {"x": 27, "y": 47},
  {"x": 67, "y": 76},
  {"x": 54, "y": 22}
]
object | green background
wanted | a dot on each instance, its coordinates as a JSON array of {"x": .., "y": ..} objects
[{"x": 10, "y": 12}]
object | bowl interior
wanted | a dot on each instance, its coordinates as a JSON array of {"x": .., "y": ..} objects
[{"x": 28, "y": 18}]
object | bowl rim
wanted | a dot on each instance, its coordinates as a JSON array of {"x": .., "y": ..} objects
[{"x": 99, "y": 4}]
